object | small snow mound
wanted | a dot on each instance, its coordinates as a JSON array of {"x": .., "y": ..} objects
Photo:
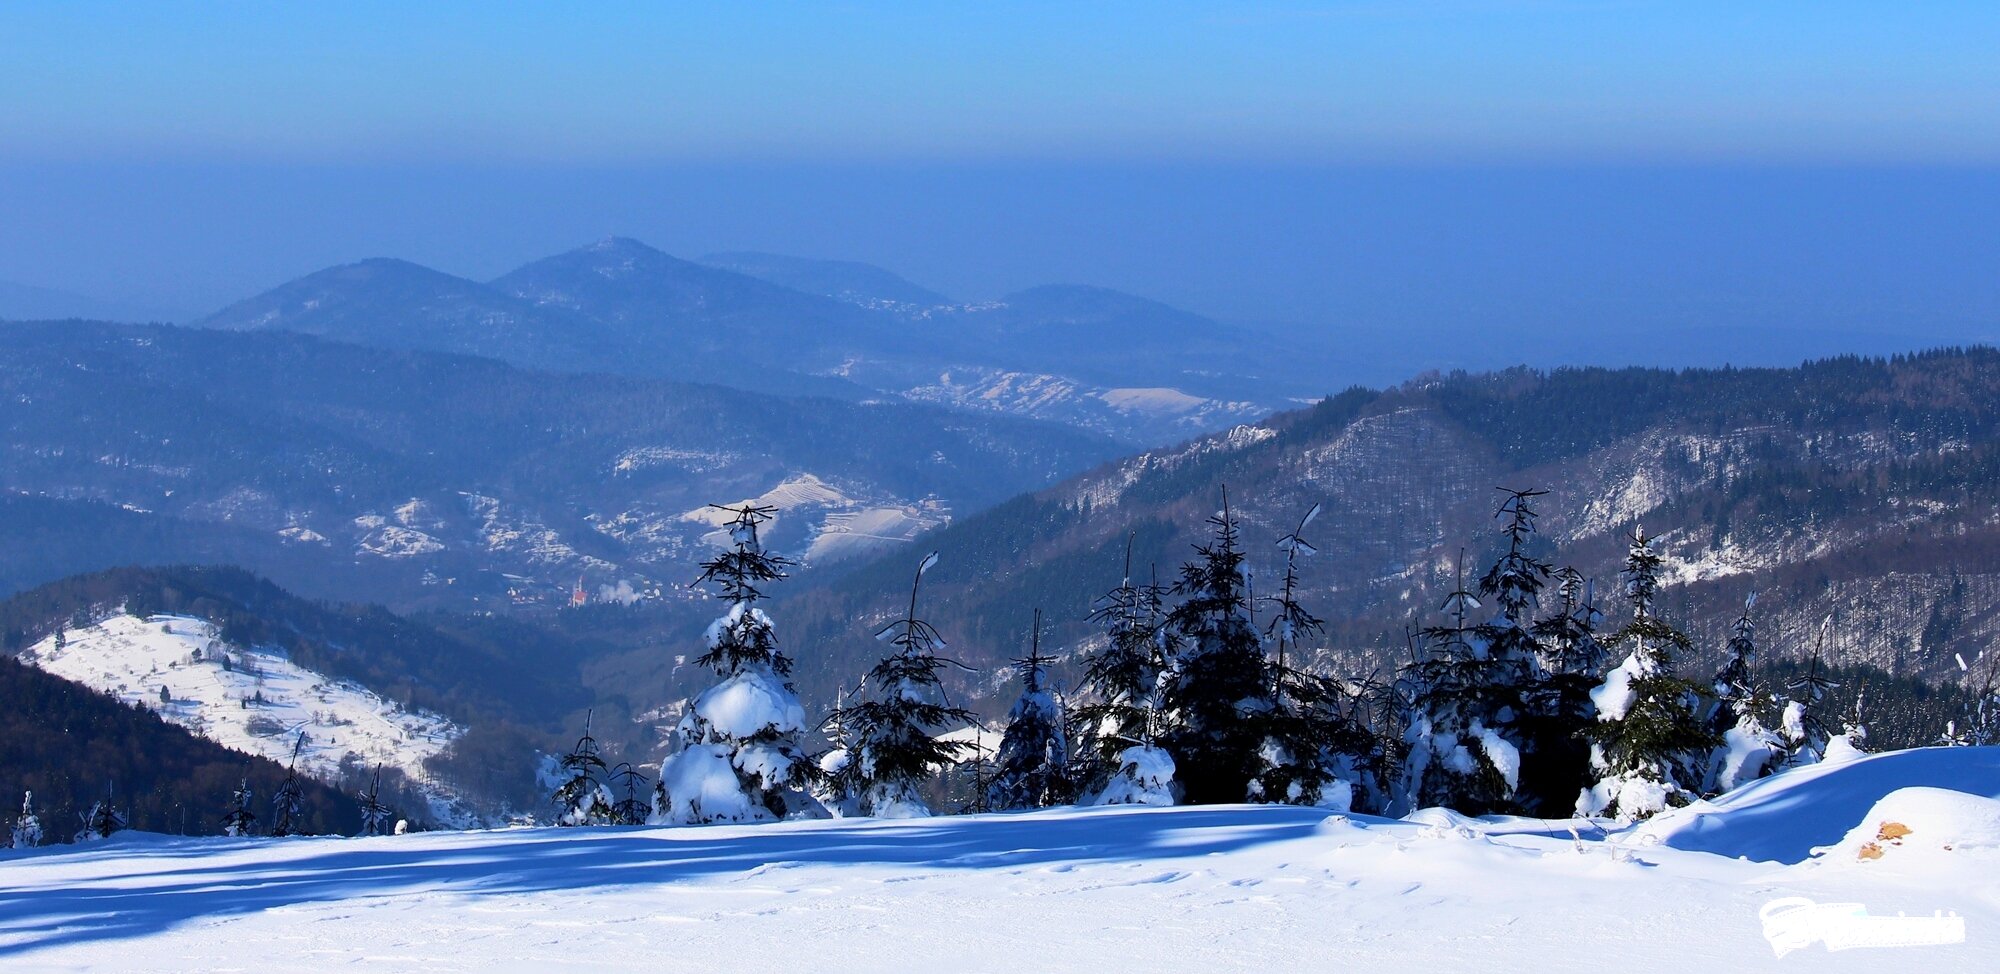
[
  {"x": 1440, "y": 818},
  {"x": 1145, "y": 777},
  {"x": 1840, "y": 750},
  {"x": 1787, "y": 816},
  {"x": 1917, "y": 824}
]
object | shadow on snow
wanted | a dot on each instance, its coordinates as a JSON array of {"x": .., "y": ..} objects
[{"x": 272, "y": 873}]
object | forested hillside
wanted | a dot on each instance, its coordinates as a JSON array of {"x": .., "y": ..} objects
[{"x": 1860, "y": 491}]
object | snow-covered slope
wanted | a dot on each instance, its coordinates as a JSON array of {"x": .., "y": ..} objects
[
  {"x": 818, "y": 522},
  {"x": 1146, "y": 416},
  {"x": 1785, "y": 817},
  {"x": 253, "y": 700},
  {"x": 1225, "y": 888}
]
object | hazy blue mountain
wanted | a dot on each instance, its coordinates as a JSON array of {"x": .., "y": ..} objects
[
  {"x": 1115, "y": 364},
  {"x": 389, "y": 303},
  {"x": 843, "y": 280},
  {"x": 646, "y": 297},
  {"x": 397, "y": 304}
]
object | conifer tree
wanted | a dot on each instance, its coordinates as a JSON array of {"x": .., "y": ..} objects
[
  {"x": 100, "y": 821},
  {"x": 739, "y": 758},
  {"x": 238, "y": 819},
  {"x": 630, "y": 809},
  {"x": 836, "y": 788},
  {"x": 375, "y": 816},
  {"x": 1572, "y": 664},
  {"x": 1735, "y": 680},
  {"x": 1852, "y": 741},
  {"x": 1144, "y": 775},
  {"x": 1314, "y": 753},
  {"x": 1749, "y": 750},
  {"x": 1803, "y": 725},
  {"x": 1568, "y": 638},
  {"x": 1032, "y": 766},
  {"x": 1217, "y": 692},
  {"x": 1649, "y": 744},
  {"x": 27, "y": 830},
  {"x": 581, "y": 798},
  {"x": 896, "y": 747},
  {"x": 1465, "y": 704},
  {"x": 970, "y": 779},
  {"x": 1979, "y": 723},
  {"x": 1122, "y": 680},
  {"x": 1544, "y": 779},
  {"x": 288, "y": 814}
]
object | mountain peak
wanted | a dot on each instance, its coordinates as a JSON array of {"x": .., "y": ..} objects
[{"x": 613, "y": 243}]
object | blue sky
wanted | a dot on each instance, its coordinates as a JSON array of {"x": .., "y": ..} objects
[
  {"x": 1406, "y": 82},
  {"x": 1376, "y": 165}
]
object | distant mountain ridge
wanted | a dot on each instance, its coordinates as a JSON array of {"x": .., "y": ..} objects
[
  {"x": 393, "y": 303},
  {"x": 647, "y": 297},
  {"x": 799, "y": 326}
]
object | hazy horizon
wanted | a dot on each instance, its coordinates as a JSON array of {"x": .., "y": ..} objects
[{"x": 1545, "y": 174}]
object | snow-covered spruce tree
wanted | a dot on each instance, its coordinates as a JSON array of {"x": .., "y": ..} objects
[
  {"x": 100, "y": 821},
  {"x": 288, "y": 812},
  {"x": 836, "y": 788},
  {"x": 1649, "y": 744},
  {"x": 1749, "y": 750},
  {"x": 1852, "y": 741},
  {"x": 1031, "y": 769},
  {"x": 1978, "y": 724},
  {"x": 896, "y": 748},
  {"x": 1144, "y": 776},
  {"x": 1464, "y": 701},
  {"x": 27, "y": 830},
  {"x": 739, "y": 757},
  {"x": 627, "y": 783},
  {"x": 1551, "y": 763},
  {"x": 1314, "y": 752},
  {"x": 1123, "y": 719},
  {"x": 1121, "y": 681},
  {"x": 238, "y": 819},
  {"x": 581, "y": 798},
  {"x": 1803, "y": 724},
  {"x": 375, "y": 816},
  {"x": 1217, "y": 691},
  {"x": 1572, "y": 661}
]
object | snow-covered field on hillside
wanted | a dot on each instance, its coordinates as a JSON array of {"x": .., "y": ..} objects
[
  {"x": 1110, "y": 889},
  {"x": 253, "y": 700}
]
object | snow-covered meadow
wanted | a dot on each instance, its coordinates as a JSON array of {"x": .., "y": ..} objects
[{"x": 1103, "y": 889}]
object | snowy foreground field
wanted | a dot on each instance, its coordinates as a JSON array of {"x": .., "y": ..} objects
[{"x": 1113, "y": 889}]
